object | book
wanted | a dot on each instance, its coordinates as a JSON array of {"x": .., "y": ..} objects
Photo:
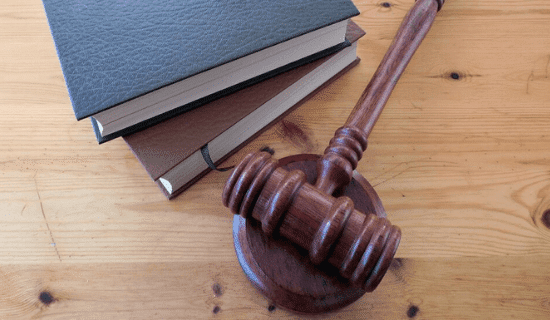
[
  {"x": 170, "y": 151},
  {"x": 132, "y": 64}
]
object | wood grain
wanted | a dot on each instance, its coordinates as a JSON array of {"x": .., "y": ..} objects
[{"x": 461, "y": 165}]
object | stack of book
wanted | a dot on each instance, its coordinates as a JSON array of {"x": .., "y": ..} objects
[{"x": 186, "y": 83}]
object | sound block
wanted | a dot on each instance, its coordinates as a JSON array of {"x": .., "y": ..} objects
[{"x": 282, "y": 271}]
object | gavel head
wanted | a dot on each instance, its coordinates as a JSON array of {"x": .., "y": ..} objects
[{"x": 360, "y": 245}]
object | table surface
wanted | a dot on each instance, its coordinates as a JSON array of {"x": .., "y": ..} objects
[{"x": 460, "y": 158}]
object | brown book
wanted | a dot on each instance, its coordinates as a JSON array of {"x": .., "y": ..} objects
[{"x": 170, "y": 152}]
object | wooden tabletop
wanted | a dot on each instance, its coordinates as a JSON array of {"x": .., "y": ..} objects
[{"x": 460, "y": 158}]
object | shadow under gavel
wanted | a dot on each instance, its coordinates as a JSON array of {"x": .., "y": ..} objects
[{"x": 361, "y": 245}]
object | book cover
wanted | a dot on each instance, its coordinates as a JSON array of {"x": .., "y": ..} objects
[
  {"x": 112, "y": 51},
  {"x": 165, "y": 147}
]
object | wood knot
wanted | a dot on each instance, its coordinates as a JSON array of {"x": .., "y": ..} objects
[
  {"x": 459, "y": 75},
  {"x": 217, "y": 289},
  {"x": 545, "y": 219},
  {"x": 541, "y": 215},
  {"x": 216, "y": 309},
  {"x": 455, "y": 75},
  {"x": 46, "y": 298},
  {"x": 293, "y": 133},
  {"x": 397, "y": 264},
  {"x": 413, "y": 311}
]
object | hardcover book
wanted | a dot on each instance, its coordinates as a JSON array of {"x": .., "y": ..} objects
[
  {"x": 170, "y": 151},
  {"x": 131, "y": 64}
]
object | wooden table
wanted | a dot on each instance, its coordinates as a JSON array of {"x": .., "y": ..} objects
[{"x": 460, "y": 158}]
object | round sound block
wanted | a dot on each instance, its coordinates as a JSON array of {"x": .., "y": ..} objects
[{"x": 282, "y": 271}]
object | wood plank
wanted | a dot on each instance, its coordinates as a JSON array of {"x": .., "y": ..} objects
[{"x": 441, "y": 288}]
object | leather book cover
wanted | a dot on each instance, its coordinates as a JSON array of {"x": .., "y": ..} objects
[
  {"x": 161, "y": 147},
  {"x": 113, "y": 51}
]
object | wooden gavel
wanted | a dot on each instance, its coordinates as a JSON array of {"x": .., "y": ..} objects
[{"x": 360, "y": 245}]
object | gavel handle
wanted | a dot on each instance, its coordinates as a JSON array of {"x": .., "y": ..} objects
[{"x": 335, "y": 167}]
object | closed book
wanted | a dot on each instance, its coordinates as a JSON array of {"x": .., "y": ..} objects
[
  {"x": 170, "y": 151},
  {"x": 131, "y": 64}
]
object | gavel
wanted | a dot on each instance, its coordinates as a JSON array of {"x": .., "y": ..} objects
[{"x": 361, "y": 245}]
